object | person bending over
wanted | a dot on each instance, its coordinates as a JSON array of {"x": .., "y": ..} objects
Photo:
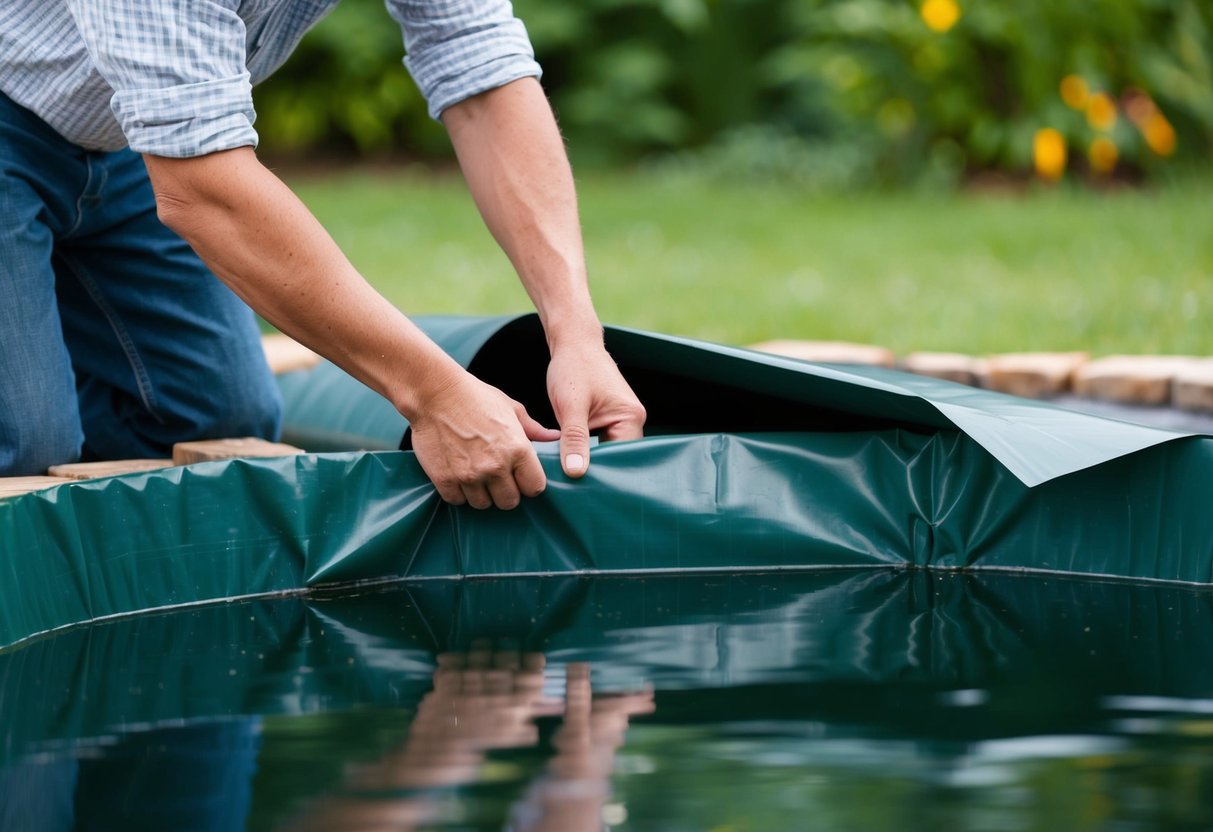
[{"x": 128, "y": 179}]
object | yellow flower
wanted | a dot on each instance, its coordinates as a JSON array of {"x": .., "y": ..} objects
[
  {"x": 1102, "y": 154},
  {"x": 1101, "y": 111},
  {"x": 1159, "y": 134},
  {"x": 1074, "y": 92},
  {"x": 940, "y": 15},
  {"x": 1154, "y": 127},
  {"x": 1049, "y": 154}
]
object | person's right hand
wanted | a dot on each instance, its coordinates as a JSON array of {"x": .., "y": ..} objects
[{"x": 474, "y": 442}]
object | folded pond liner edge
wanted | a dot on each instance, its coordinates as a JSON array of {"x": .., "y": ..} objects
[
  {"x": 753, "y": 462},
  {"x": 691, "y": 386}
]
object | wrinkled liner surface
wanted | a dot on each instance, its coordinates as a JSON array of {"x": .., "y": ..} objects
[
  {"x": 725, "y": 502},
  {"x": 697, "y": 387},
  {"x": 750, "y": 462}
]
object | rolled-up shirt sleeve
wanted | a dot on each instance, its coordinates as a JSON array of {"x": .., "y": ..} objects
[
  {"x": 458, "y": 48},
  {"x": 177, "y": 68}
]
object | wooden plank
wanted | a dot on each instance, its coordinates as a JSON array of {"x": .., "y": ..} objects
[
  {"x": 285, "y": 355},
  {"x": 109, "y": 468},
  {"x": 12, "y": 486},
  {"x": 209, "y": 450},
  {"x": 828, "y": 352},
  {"x": 1034, "y": 375}
]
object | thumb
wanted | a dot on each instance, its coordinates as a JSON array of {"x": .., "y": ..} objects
[{"x": 575, "y": 444}]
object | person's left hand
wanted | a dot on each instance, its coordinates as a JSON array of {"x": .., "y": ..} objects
[{"x": 588, "y": 393}]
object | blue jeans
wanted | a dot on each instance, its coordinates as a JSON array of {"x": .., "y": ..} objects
[
  {"x": 191, "y": 778},
  {"x": 115, "y": 340}
]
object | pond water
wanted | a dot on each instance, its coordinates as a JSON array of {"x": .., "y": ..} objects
[{"x": 835, "y": 700}]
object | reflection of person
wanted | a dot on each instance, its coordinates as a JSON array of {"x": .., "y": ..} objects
[
  {"x": 120, "y": 115},
  {"x": 481, "y": 702},
  {"x": 571, "y": 796},
  {"x": 190, "y": 777}
]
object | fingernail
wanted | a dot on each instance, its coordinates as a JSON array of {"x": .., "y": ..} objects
[{"x": 574, "y": 462}]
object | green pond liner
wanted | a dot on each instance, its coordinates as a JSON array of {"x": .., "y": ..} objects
[
  {"x": 895, "y": 650},
  {"x": 750, "y": 462}
]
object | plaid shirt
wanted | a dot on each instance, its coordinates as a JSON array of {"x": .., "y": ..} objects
[{"x": 174, "y": 77}]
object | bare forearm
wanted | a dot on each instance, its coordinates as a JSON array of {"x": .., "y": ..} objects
[
  {"x": 515, "y": 164},
  {"x": 514, "y": 161},
  {"x": 257, "y": 237}
]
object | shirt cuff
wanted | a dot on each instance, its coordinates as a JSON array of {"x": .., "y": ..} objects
[
  {"x": 188, "y": 120},
  {"x": 488, "y": 77},
  {"x": 476, "y": 62}
]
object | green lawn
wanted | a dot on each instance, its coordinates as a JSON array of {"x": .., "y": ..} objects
[{"x": 1126, "y": 271}]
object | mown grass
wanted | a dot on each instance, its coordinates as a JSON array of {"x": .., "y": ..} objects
[{"x": 1040, "y": 269}]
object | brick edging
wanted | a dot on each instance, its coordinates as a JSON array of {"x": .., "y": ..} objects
[{"x": 1184, "y": 382}]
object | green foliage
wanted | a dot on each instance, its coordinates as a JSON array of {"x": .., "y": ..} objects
[
  {"x": 971, "y": 97},
  {"x": 828, "y": 93},
  {"x": 346, "y": 89},
  {"x": 630, "y": 77}
]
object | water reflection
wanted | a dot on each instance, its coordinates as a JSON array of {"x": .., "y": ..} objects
[
  {"x": 193, "y": 777},
  {"x": 483, "y": 702},
  {"x": 199, "y": 776},
  {"x": 839, "y": 700}
]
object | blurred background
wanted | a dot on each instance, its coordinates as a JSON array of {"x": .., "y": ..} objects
[{"x": 834, "y": 166}]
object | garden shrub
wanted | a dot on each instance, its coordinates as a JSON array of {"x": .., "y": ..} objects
[{"x": 879, "y": 91}]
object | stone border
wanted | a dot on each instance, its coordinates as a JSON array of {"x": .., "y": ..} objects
[{"x": 1183, "y": 382}]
